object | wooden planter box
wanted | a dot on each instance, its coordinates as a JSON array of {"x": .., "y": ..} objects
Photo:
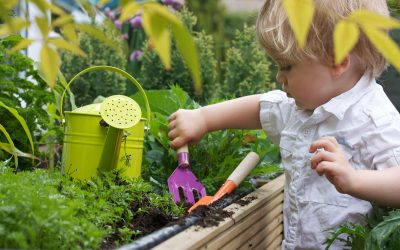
[{"x": 257, "y": 225}]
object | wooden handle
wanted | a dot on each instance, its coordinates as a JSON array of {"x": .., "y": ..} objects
[
  {"x": 183, "y": 149},
  {"x": 243, "y": 169}
]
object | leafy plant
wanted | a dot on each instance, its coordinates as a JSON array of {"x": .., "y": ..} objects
[
  {"x": 246, "y": 67},
  {"x": 23, "y": 94},
  {"x": 104, "y": 83},
  {"x": 213, "y": 159},
  {"x": 42, "y": 209},
  {"x": 154, "y": 76},
  {"x": 381, "y": 232}
]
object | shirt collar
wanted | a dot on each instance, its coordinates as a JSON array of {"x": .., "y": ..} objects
[{"x": 339, "y": 104}]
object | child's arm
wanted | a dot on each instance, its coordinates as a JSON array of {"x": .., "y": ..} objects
[
  {"x": 189, "y": 126},
  {"x": 382, "y": 187}
]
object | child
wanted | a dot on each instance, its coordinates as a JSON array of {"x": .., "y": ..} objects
[
  {"x": 319, "y": 99},
  {"x": 381, "y": 187}
]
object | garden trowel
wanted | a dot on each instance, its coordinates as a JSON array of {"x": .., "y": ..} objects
[
  {"x": 238, "y": 175},
  {"x": 182, "y": 182}
]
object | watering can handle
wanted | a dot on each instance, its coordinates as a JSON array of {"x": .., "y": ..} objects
[{"x": 116, "y": 70}]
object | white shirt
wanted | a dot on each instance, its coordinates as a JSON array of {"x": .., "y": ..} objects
[{"x": 365, "y": 124}]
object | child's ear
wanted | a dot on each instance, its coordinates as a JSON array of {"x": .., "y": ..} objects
[{"x": 338, "y": 69}]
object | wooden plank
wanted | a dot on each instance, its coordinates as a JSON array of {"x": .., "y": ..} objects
[
  {"x": 272, "y": 240},
  {"x": 196, "y": 236},
  {"x": 248, "y": 226},
  {"x": 259, "y": 236}
]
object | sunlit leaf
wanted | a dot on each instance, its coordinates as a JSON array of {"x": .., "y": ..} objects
[
  {"x": 51, "y": 64},
  {"x": 98, "y": 34},
  {"x": 157, "y": 30},
  {"x": 13, "y": 26},
  {"x": 385, "y": 45},
  {"x": 9, "y": 149},
  {"x": 41, "y": 4},
  {"x": 103, "y": 2},
  {"x": 345, "y": 37},
  {"x": 61, "y": 43},
  {"x": 21, "y": 121},
  {"x": 69, "y": 32},
  {"x": 182, "y": 37},
  {"x": 43, "y": 25},
  {"x": 62, "y": 20},
  {"x": 56, "y": 10},
  {"x": 300, "y": 14},
  {"x": 8, "y": 4},
  {"x": 128, "y": 11},
  {"x": 372, "y": 19},
  {"x": 7, "y": 135},
  {"x": 21, "y": 45}
]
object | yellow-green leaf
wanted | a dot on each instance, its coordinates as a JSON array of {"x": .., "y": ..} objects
[
  {"x": 9, "y": 149},
  {"x": 157, "y": 30},
  {"x": 188, "y": 50},
  {"x": 98, "y": 34},
  {"x": 385, "y": 45},
  {"x": 21, "y": 121},
  {"x": 7, "y": 135},
  {"x": 369, "y": 18},
  {"x": 182, "y": 37},
  {"x": 56, "y": 10},
  {"x": 41, "y": 4},
  {"x": 62, "y": 20},
  {"x": 13, "y": 26},
  {"x": 69, "y": 32},
  {"x": 61, "y": 43},
  {"x": 300, "y": 14},
  {"x": 21, "y": 45},
  {"x": 50, "y": 63},
  {"x": 43, "y": 25},
  {"x": 345, "y": 37},
  {"x": 128, "y": 11}
]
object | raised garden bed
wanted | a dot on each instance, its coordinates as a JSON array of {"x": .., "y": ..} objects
[{"x": 256, "y": 223}]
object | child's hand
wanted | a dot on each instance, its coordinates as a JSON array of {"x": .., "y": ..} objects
[
  {"x": 186, "y": 127},
  {"x": 332, "y": 163}
]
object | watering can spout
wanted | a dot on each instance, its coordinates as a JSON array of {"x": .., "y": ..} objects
[{"x": 112, "y": 146}]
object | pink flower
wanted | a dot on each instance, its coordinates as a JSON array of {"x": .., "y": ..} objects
[
  {"x": 136, "y": 55},
  {"x": 125, "y": 36},
  {"x": 136, "y": 22},
  {"x": 118, "y": 24},
  {"x": 176, "y": 4}
]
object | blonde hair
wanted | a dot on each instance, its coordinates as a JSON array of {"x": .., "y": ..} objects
[{"x": 276, "y": 36}]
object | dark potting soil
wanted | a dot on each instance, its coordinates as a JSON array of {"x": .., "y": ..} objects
[{"x": 155, "y": 219}]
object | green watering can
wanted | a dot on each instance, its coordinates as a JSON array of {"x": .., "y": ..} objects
[{"x": 104, "y": 135}]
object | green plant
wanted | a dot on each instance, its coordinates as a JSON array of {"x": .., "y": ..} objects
[
  {"x": 382, "y": 231},
  {"x": 42, "y": 209},
  {"x": 97, "y": 83},
  {"x": 247, "y": 70},
  {"x": 24, "y": 90},
  {"x": 213, "y": 158},
  {"x": 154, "y": 76}
]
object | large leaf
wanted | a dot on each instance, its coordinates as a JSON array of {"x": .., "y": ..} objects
[
  {"x": 300, "y": 14},
  {"x": 384, "y": 44},
  {"x": 183, "y": 39},
  {"x": 51, "y": 64},
  {"x": 21, "y": 121},
  {"x": 372, "y": 19},
  {"x": 345, "y": 37},
  {"x": 13, "y": 26},
  {"x": 62, "y": 20},
  {"x": 157, "y": 30},
  {"x": 98, "y": 34},
  {"x": 61, "y": 43},
  {"x": 129, "y": 10},
  {"x": 21, "y": 45},
  {"x": 11, "y": 150},
  {"x": 11, "y": 143}
]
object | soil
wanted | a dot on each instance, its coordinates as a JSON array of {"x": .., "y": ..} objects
[{"x": 155, "y": 219}]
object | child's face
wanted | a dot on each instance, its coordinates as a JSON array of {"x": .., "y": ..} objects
[{"x": 309, "y": 83}]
